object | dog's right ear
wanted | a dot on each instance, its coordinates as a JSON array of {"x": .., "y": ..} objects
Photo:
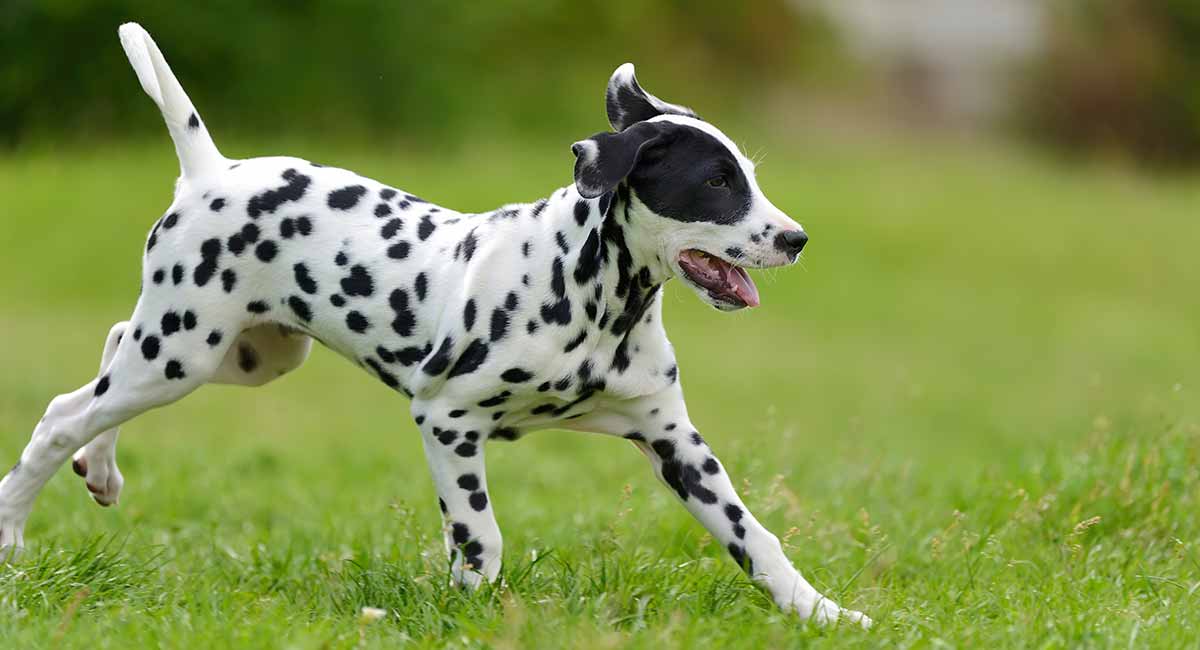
[
  {"x": 605, "y": 159},
  {"x": 627, "y": 103}
]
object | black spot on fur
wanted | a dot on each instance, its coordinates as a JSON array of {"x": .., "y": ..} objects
[
  {"x": 303, "y": 280},
  {"x": 405, "y": 319},
  {"x": 157, "y": 278},
  {"x": 214, "y": 338},
  {"x": 496, "y": 400},
  {"x": 301, "y": 308},
  {"x": 177, "y": 274},
  {"x": 217, "y": 205},
  {"x": 346, "y": 197},
  {"x": 228, "y": 280},
  {"x": 210, "y": 251},
  {"x": 193, "y": 122},
  {"x": 468, "y": 482},
  {"x": 101, "y": 386},
  {"x": 359, "y": 282},
  {"x": 711, "y": 466},
  {"x": 421, "y": 285},
  {"x": 399, "y": 250},
  {"x": 390, "y": 228},
  {"x": 266, "y": 250},
  {"x": 357, "y": 322},
  {"x": 412, "y": 354},
  {"x": 577, "y": 341},
  {"x": 469, "y": 315},
  {"x": 250, "y": 232},
  {"x": 174, "y": 370},
  {"x": 236, "y": 244},
  {"x": 304, "y": 226},
  {"x": 386, "y": 377},
  {"x": 457, "y": 413},
  {"x": 499, "y": 324},
  {"x": 387, "y": 194},
  {"x": 466, "y": 449},
  {"x": 170, "y": 220},
  {"x": 473, "y": 357},
  {"x": 189, "y": 320},
  {"x": 150, "y": 347},
  {"x": 425, "y": 228},
  {"x": 270, "y": 200},
  {"x": 516, "y": 375},
  {"x": 440, "y": 360},
  {"x": 478, "y": 501},
  {"x": 287, "y": 228},
  {"x": 382, "y": 210},
  {"x": 257, "y": 307},
  {"x": 582, "y": 210},
  {"x": 337, "y": 300}
]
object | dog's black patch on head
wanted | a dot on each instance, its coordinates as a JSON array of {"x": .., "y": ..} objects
[
  {"x": 346, "y": 197},
  {"x": 270, "y": 200},
  {"x": 675, "y": 178}
]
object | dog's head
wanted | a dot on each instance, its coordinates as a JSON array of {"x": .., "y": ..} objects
[{"x": 691, "y": 191}]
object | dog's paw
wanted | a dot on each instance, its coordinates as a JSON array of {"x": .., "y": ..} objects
[
  {"x": 822, "y": 611},
  {"x": 103, "y": 478},
  {"x": 12, "y": 535}
]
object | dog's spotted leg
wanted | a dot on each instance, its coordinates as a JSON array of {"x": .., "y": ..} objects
[
  {"x": 660, "y": 428},
  {"x": 97, "y": 461},
  {"x": 454, "y": 448},
  {"x": 141, "y": 375}
]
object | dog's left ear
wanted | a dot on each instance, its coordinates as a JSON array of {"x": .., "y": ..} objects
[
  {"x": 605, "y": 159},
  {"x": 628, "y": 104}
]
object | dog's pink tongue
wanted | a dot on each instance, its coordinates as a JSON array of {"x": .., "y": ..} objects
[{"x": 743, "y": 287}]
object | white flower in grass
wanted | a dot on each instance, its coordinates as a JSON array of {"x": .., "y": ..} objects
[{"x": 372, "y": 614}]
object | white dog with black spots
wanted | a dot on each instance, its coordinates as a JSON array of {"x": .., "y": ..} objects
[{"x": 534, "y": 315}]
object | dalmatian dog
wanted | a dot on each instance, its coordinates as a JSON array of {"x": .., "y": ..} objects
[{"x": 534, "y": 315}]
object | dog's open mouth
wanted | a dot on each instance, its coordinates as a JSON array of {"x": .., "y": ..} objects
[{"x": 725, "y": 283}]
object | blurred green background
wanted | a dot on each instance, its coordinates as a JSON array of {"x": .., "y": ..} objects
[{"x": 992, "y": 339}]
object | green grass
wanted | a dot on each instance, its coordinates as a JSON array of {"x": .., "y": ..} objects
[{"x": 971, "y": 412}]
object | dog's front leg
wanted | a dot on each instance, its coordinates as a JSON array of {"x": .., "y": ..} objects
[
  {"x": 660, "y": 427},
  {"x": 454, "y": 449}
]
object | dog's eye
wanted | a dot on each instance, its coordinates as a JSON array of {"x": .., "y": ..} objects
[{"x": 716, "y": 181}]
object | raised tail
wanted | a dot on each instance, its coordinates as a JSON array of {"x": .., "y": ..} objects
[{"x": 194, "y": 146}]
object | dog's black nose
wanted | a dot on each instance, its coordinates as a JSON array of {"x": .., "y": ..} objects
[{"x": 791, "y": 241}]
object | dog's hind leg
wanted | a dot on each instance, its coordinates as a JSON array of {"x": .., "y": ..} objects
[
  {"x": 257, "y": 356},
  {"x": 660, "y": 427},
  {"x": 454, "y": 448},
  {"x": 143, "y": 374},
  {"x": 97, "y": 461}
]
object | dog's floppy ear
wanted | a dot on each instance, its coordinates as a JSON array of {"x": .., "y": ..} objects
[
  {"x": 605, "y": 159},
  {"x": 628, "y": 104}
]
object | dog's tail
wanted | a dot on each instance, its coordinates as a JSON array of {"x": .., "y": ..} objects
[{"x": 194, "y": 146}]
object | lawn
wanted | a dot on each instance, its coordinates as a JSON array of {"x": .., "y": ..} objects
[{"x": 973, "y": 412}]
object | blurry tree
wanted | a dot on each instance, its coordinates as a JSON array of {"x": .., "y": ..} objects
[
  {"x": 410, "y": 69},
  {"x": 1122, "y": 75}
]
